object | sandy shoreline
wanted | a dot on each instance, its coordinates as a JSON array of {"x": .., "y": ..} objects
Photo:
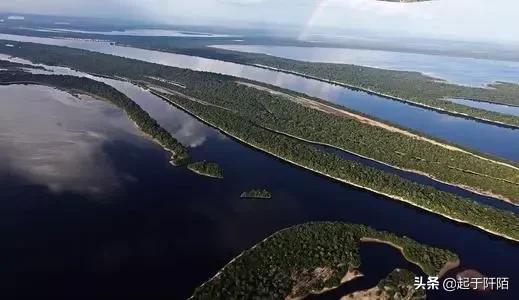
[
  {"x": 335, "y": 178},
  {"x": 455, "y": 113},
  {"x": 390, "y": 128},
  {"x": 446, "y": 267},
  {"x": 203, "y": 174}
]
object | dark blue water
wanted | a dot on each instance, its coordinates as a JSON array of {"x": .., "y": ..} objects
[
  {"x": 486, "y": 138},
  {"x": 165, "y": 230}
]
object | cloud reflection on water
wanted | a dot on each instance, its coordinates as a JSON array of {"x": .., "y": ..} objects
[{"x": 52, "y": 138}]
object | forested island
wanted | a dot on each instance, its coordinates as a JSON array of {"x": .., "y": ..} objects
[
  {"x": 254, "y": 116},
  {"x": 13, "y": 66},
  {"x": 205, "y": 168},
  {"x": 406, "y": 86},
  {"x": 411, "y": 87},
  {"x": 311, "y": 258},
  {"x": 257, "y": 194},
  {"x": 103, "y": 91},
  {"x": 296, "y": 118}
]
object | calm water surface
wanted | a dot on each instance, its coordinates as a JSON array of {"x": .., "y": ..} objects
[
  {"x": 159, "y": 231},
  {"x": 137, "y": 32},
  {"x": 505, "y": 109},
  {"x": 467, "y": 71},
  {"x": 498, "y": 141}
]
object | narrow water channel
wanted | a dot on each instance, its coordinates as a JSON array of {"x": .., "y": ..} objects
[
  {"x": 165, "y": 230},
  {"x": 486, "y": 138}
]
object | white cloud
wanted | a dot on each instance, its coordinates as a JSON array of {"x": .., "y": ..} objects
[{"x": 472, "y": 19}]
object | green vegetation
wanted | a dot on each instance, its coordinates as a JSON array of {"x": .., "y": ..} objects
[
  {"x": 300, "y": 153},
  {"x": 13, "y": 66},
  {"x": 246, "y": 113},
  {"x": 307, "y": 259},
  {"x": 399, "y": 284},
  {"x": 284, "y": 115},
  {"x": 257, "y": 193},
  {"x": 408, "y": 86},
  {"x": 403, "y": 85},
  {"x": 206, "y": 169},
  {"x": 88, "y": 86}
]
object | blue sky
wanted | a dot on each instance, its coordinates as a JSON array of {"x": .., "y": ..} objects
[{"x": 485, "y": 20}]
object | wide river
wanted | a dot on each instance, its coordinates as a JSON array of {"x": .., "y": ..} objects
[
  {"x": 91, "y": 207},
  {"x": 461, "y": 70},
  {"x": 486, "y": 138}
]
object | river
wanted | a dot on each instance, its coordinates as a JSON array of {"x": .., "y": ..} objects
[
  {"x": 486, "y": 138},
  {"x": 162, "y": 230}
]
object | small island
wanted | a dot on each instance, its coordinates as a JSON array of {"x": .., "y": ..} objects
[
  {"x": 205, "y": 168},
  {"x": 257, "y": 194}
]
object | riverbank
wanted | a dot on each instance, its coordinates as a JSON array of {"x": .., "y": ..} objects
[
  {"x": 496, "y": 122},
  {"x": 207, "y": 169},
  {"x": 99, "y": 90},
  {"x": 404, "y": 151},
  {"x": 449, "y": 265},
  {"x": 326, "y": 108},
  {"x": 449, "y": 215}
]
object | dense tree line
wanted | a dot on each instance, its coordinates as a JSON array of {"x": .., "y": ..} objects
[
  {"x": 284, "y": 115},
  {"x": 273, "y": 268},
  {"x": 246, "y": 107},
  {"x": 206, "y": 168},
  {"x": 85, "y": 85},
  {"x": 8, "y": 65},
  {"x": 411, "y": 86},
  {"x": 399, "y": 284},
  {"x": 491, "y": 219},
  {"x": 405, "y": 85}
]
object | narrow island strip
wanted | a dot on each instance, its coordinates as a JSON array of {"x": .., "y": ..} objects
[
  {"x": 257, "y": 194},
  {"x": 102, "y": 91},
  {"x": 492, "y": 220}
]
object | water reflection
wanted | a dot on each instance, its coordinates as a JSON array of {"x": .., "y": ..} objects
[
  {"x": 184, "y": 128},
  {"x": 170, "y": 219},
  {"x": 52, "y": 138},
  {"x": 505, "y": 109},
  {"x": 468, "y": 71},
  {"x": 486, "y": 138}
]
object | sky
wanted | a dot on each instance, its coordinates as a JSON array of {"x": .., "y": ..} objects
[{"x": 480, "y": 20}]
